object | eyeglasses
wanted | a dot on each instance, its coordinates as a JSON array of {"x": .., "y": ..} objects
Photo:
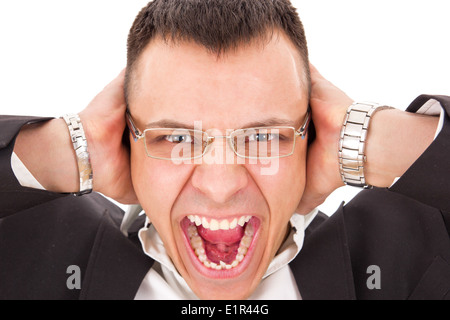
[{"x": 251, "y": 143}]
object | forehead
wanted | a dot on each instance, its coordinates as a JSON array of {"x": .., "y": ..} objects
[{"x": 184, "y": 81}]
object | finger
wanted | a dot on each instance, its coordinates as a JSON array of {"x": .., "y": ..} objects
[
  {"x": 118, "y": 81},
  {"x": 313, "y": 68},
  {"x": 315, "y": 74},
  {"x": 115, "y": 89},
  {"x": 121, "y": 77},
  {"x": 122, "y": 73}
]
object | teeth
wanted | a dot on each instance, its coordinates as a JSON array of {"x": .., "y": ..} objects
[
  {"x": 214, "y": 224},
  {"x": 233, "y": 223},
  {"x": 205, "y": 223},
  {"x": 224, "y": 225},
  {"x": 198, "y": 246},
  {"x": 244, "y": 220}
]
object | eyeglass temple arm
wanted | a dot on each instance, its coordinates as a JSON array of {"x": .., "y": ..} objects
[
  {"x": 134, "y": 131},
  {"x": 303, "y": 129}
]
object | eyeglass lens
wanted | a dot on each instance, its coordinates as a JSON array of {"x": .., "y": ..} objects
[{"x": 178, "y": 144}]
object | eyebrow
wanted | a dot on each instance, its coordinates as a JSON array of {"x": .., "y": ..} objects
[
  {"x": 166, "y": 123},
  {"x": 270, "y": 122}
]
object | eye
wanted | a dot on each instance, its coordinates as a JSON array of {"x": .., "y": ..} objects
[
  {"x": 262, "y": 137},
  {"x": 185, "y": 138}
]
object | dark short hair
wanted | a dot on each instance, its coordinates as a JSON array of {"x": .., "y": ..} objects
[{"x": 218, "y": 25}]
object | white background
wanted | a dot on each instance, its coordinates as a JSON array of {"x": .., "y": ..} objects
[{"x": 56, "y": 55}]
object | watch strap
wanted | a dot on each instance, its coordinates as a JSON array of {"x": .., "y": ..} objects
[
  {"x": 352, "y": 143},
  {"x": 80, "y": 146}
]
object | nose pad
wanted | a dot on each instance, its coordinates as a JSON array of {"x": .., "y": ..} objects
[
  {"x": 219, "y": 153},
  {"x": 207, "y": 145}
]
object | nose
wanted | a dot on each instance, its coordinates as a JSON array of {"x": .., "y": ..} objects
[{"x": 219, "y": 182}]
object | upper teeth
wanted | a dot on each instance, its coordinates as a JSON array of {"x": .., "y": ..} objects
[{"x": 214, "y": 224}]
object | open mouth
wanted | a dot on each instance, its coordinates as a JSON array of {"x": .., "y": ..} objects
[{"x": 220, "y": 245}]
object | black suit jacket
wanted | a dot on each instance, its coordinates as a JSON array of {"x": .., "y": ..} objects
[{"x": 403, "y": 231}]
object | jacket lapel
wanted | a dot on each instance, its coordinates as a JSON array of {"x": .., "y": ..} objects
[
  {"x": 116, "y": 266},
  {"x": 322, "y": 269}
]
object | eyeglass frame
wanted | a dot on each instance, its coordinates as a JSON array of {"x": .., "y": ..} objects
[{"x": 138, "y": 135}]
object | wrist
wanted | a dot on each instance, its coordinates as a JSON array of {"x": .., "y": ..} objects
[
  {"x": 47, "y": 152},
  {"x": 395, "y": 141}
]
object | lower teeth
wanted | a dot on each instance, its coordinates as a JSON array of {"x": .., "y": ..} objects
[{"x": 197, "y": 245}]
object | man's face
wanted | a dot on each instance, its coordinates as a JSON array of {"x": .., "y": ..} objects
[{"x": 187, "y": 202}]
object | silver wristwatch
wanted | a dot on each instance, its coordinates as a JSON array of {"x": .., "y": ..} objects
[
  {"x": 80, "y": 146},
  {"x": 352, "y": 143}
]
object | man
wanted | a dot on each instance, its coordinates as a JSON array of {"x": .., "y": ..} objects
[{"x": 216, "y": 98}]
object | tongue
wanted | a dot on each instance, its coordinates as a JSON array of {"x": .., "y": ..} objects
[
  {"x": 221, "y": 245},
  {"x": 227, "y": 237},
  {"x": 221, "y": 252}
]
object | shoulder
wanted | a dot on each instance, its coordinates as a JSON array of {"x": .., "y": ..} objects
[
  {"x": 67, "y": 220},
  {"x": 382, "y": 209},
  {"x": 400, "y": 236},
  {"x": 379, "y": 219},
  {"x": 406, "y": 240},
  {"x": 40, "y": 243},
  {"x": 88, "y": 210}
]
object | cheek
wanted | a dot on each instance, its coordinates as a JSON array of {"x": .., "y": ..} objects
[
  {"x": 284, "y": 189},
  {"x": 282, "y": 192},
  {"x": 284, "y": 185},
  {"x": 157, "y": 184}
]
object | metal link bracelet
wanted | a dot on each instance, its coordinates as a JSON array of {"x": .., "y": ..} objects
[
  {"x": 353, "y": 140},
  {"x": 80, "y": 146}
]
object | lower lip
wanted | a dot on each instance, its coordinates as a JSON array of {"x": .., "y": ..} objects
[{"x": 222, "y": 274}]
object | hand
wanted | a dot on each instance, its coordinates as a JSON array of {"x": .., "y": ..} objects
[
  {"x": 329, "y": 105},
  {"x": 104, "y": 123}
]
